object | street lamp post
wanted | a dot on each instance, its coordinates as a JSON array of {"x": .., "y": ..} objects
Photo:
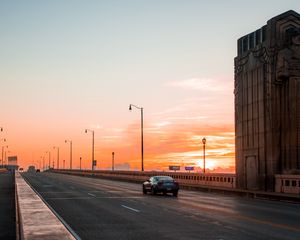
[
  {"x": 80, "y": 163},
  {"x": 70, "y": 141},
  {"x": 1, "y": 130},
  {"x": 49, "y": 164},
  {"x": 113, "y": 161},
  {"x": 6, "y": 156},
  {"x": 204, "y": 142},
  {"x": 3, "y": 154},
  {"x": 4, "y": 140},
  {"x": 57, "y": 165},
  {"x": 64, "y": 163},
  {"x": 142, "y": 131},
  {"x": 41, "y": 159},
  {"x": 93, "y": 146}
]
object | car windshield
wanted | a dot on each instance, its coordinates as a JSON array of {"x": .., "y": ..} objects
[{"x": 165, "y": 179}]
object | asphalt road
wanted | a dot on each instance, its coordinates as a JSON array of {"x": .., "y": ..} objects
[
  {"x": 7, "y": 206},
  {"x": 103, "y": 209}
]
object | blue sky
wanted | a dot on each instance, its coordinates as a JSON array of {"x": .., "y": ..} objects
[{"x": 68, "y": 65}]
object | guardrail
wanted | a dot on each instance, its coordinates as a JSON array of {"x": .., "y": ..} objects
[
  {"x": 209, "y": 179},
  {"x": 287, "y": 184}
]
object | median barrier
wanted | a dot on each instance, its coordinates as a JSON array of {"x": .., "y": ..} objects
[{"x": 35, "y": 219}]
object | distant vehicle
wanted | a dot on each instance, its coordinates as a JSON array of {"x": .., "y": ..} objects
[
  {"x": 31, "y": 169},
  {"x": 161, "y": 184},
  {"x": 38, "y": 170}
]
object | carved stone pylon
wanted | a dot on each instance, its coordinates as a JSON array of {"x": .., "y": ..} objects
[{"x": 267, "y": 103}]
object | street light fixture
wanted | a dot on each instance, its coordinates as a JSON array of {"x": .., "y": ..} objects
[
  {"x": 57, "y": 156},
  {"x": 142, "y": 131},
  {"x": 70, "y": 141},
  {"x": 93, "y": 146},
  {"x": 204, "y": 142},
  {"x": 80, "y": 163}
]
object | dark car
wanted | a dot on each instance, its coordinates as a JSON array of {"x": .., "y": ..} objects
[{"x": 161, "y": 184}]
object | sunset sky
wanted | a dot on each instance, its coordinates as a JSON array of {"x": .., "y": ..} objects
[{"x": 70, "y": 65}]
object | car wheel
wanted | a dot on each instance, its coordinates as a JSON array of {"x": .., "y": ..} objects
[
  {"x": 144, "y": 190},
  {"x": 153, "y": 191},
  {"x": 175, "y": 193}
]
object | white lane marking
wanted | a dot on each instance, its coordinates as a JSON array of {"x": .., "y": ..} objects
[
  {"x": 132, "y": 209},
  {"x": 93, "y": 195},
  {"x": 68, "y": 198},
  {"x": 119, "y": 197},
  {"x": 55, "y": 192},
  {"x": 74, "y": 198}
]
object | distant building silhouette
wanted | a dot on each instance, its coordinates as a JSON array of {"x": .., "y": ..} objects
[{"x": 267, "y": 103}]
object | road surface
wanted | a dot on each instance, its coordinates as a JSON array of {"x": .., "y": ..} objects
[
  {"x": 7, "y": 206},
  {"x": 104, "y": 209}
]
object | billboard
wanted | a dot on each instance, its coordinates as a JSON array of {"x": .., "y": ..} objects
[
  {"x": 174, "y": 168},
  {"x": 187, "y": 168},
  {"x": 12, "y": 160}
]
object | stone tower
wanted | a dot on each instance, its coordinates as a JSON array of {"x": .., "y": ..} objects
[{"x": 267, "y": 103}]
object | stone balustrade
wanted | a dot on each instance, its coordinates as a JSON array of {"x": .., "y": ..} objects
[
  {"x": 287, "y": 184},
  {"x": 193, "y": 179}
]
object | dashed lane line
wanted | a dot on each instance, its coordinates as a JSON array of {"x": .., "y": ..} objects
[{"x": 132, "y": 209}]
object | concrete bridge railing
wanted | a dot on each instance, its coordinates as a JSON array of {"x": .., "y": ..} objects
[
  {"x": 197, "y": 179},
  {"x": 287, "y": 184}
]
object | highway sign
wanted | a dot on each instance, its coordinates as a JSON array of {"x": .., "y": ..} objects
[
  {"x": 189, "y": 168},
  {"x": 174, "y": 168}
]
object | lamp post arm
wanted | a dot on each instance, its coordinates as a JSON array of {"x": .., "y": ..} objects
[{"x": 132, "y": 105}]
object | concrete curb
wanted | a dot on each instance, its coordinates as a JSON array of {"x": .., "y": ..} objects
[
  {"x": 18, "y": 223},
  {"x": 36, "y": 220}
]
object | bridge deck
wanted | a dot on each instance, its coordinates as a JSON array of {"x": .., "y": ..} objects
[{"x": 7, "y": 206}]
